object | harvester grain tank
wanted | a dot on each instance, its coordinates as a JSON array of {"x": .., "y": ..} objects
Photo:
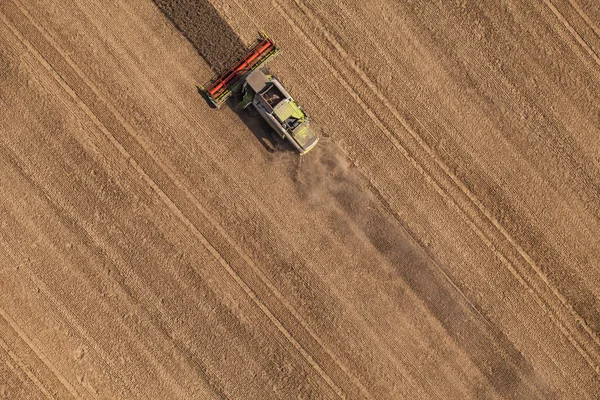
[{"x": 266, "y": 94}]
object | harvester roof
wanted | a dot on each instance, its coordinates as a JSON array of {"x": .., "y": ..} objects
[{"x": 289, "y": 109}]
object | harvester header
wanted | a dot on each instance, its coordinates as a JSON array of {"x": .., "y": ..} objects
[
  {"x": 266, "y": 94},
  {"x": 219, "y": 90}
]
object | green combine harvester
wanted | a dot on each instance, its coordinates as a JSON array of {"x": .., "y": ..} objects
[{"x": 266, "y": 94}]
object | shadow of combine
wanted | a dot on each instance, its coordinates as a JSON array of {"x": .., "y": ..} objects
[
  {"x": 259, "y": 127},
  {"x": 220, "y": 47},
  {"x": 205, "y": 97}
]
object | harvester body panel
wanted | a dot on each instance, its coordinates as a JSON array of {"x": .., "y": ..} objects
[
  {"x": 281, "y": 111},
  {"x": 266, "y": 94}
]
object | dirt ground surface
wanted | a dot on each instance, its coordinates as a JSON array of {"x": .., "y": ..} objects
[{"x": 441, "y": 241}]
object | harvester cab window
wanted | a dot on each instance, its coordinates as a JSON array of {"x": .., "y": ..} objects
[{"x": 292, "y": 122}]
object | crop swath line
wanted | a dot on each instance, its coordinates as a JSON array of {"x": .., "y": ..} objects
[
  {"x": 521, "y": 277},
  {"x": 320, "y": 345},
  {"x": 12, "y": 366},
  {"x": 22, "y": 366},
  {"x": 572, "y": 30},
  {"x": 585, "y": 17},
  {"x": 38, "y": 280},
  {"x": 132, "y": 140}
]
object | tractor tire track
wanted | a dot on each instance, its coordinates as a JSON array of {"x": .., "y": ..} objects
[
  {"x": 265, "y": 215},
  {"x": 15, "y": 380},
  {"x": 574, "y": 33},
  {"x": 23, "y": 365},
  {"x": 449, "y": 181},
  {"x": 136, "y": 157},
  {"x": 586, "y": 18}
]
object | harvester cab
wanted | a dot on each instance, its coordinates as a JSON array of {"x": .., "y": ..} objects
[{"x": 266, "y": 94}]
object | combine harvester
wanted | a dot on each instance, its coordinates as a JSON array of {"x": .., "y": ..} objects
[{"x": 266, "y": 94}]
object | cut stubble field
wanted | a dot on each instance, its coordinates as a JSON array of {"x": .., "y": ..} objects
[{"x": 441, "y": 241}]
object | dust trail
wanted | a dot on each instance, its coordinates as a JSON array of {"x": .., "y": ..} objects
[{"x": 326, "y": 179}]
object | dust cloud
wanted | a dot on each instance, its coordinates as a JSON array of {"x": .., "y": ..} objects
[{"x": 326, "y": 179}]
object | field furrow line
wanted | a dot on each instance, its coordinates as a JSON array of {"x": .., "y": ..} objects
[
  {"x": 446, "y": 173},
  {"x": 588, "y": 49},
  {"x": 11, "y": 372},
  {"x": 20, "y": 332},
  {"x": 578, "y": 26},
  {"x": 318, "y": 342},
  {"x": 585, "y": 17},
  {"x": 19, "y": 363},
  {"x": 130, "y": 139},
  {"x": 73, "y": 319},
  {"x": 496, "y": 83}
]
